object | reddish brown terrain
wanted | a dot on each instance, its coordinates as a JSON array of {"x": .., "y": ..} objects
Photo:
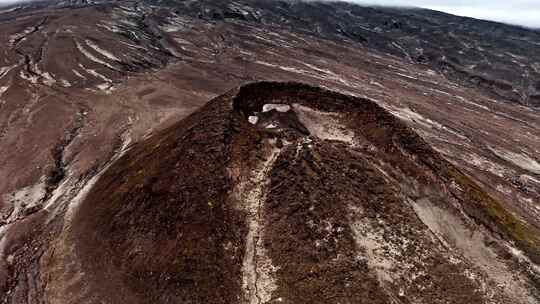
[{"x": 405, "y": 169}]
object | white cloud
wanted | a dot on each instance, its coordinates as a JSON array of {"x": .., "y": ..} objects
[
  {"x": 526, "y": 17},
  {"x": 6, "y": 2},
  {"x": 520, "y": 12}
]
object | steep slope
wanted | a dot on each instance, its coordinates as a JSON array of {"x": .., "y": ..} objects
[
  {"x": 81, "y": 81},
  {"x": 286, "y": 193}
]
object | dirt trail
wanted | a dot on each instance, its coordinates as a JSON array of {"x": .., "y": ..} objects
[{"x": 257, "y": 269}]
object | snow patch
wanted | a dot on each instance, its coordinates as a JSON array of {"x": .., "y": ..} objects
[
  {"x": 103, "y": 52},
  {"x": 519, "y": 159},
  {"x": 109, "y": 27},
  {"x": 24, "y": 199},
  {"x": 20, "y": 35},
  {"x": 454, "y": 233},
  {"x": 406, "y": 76},
  {"x": 107, "y": 87},
  {"x": 78, "y": 74},
  {"x": 185, "y": 42},
  {"x": 374, "y": 245},
  {"x": 94, "y": 73},
  {"x": 529, "y": 179},
  {"x": 278, "y": 107},
  {"x": 169, "y": 28},
  {"x": 48, "y": 79},
  {"x": 9, "y": 10},
  {"x": 409, "y": 115},
  {"x": 3, "y": 90},
  {"x": 377, "y": 84},
  {"x": 464, "y": 100},
  {"x": 324, "y": 125},
  {"x": 93, "y": 58},
  {"x": 315, "y": 72},
  {"x": 3, "y": 240},
  {"x": 5, "y": 70},
  {"x": 30, "y": 78},
  {"x": 523, "y": 258},
  {"x": 65, "y": 83},
  {"x": 485, "y": 164},
  {"x": 253, "y": 120},
  {"x": 81, "y": 195},
  {"x": 285, "y": 68}
]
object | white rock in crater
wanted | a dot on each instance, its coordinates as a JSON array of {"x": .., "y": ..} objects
[
  {"x": 278, "y": 107},
  {"x": 253, "y": 120}
]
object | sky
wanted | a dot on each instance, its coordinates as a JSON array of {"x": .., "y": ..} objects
[{"x": 520, "y": 12}]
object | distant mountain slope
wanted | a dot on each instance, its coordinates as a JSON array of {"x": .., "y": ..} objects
[{"x": 500, "y": 58}]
